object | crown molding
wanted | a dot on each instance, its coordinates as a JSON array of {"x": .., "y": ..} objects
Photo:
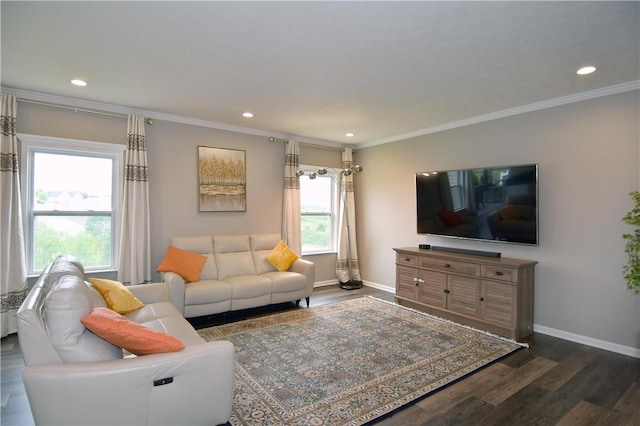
[
  {"x": 564, "y": 100},
  {"x": 116, "y": 109}
]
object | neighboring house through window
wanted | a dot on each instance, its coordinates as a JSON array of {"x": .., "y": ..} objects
[
  {"x": 71, "y": 195},
  {"x": 318, "y": 208}
]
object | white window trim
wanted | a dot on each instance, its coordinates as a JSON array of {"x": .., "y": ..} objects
[
  {"x": 335, "y": 193},
  {"x": 28, "y": 144}
]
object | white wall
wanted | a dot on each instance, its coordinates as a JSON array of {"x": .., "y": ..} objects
[{"x": 588, "y": 157}]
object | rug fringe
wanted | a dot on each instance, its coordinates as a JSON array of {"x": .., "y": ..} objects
[{"x": 487, "y": 333}]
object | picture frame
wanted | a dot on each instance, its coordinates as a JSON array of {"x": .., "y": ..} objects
[{"x": 222, "y": 180}]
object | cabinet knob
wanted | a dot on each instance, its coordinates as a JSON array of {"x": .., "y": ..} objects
[
  {"x": 482, "y": 299},
  {"x": 446, "y": 265},
  {"x": 498, "y": 273},
  {"x": 446, "y": 290},
  {"x": 407, "y": 259}
]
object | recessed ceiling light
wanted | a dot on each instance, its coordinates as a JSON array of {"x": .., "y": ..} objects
[
  {"x": 247, "y": 115},
  {"x": 349, "y": 135},
  {"x": 77, "y": 82},
  {"x": 586, "y": 70}
]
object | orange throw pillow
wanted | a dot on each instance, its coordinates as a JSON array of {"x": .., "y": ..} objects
[
  {"x": 184, "y": 263},
  {"x": 126, "y": 334}
]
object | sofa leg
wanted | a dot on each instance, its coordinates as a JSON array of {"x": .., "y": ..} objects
[{"x": 307, "y": 301}]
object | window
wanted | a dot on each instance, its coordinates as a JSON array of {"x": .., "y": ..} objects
[
  {"x": 457, "y": 189},
  {"x": 318, "y": 208},
  {"x": 71, "y": 198}
]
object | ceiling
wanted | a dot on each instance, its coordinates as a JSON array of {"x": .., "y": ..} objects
[{"x": 316, "y": 70}]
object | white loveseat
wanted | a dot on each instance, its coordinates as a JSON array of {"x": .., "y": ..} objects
[
  {"x": 73, "y": 377},
  {"x": 236, "y": 275}
]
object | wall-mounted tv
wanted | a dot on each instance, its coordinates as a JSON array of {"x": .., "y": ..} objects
[{"x": 498, "y": 204}]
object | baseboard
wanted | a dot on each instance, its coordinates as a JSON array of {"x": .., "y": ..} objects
[
  {"x": 589, "y": 341},
  {"x": 365, "y": 283},
  {"x": 380, "y": 287},
  {"x": 325, "y": 283},
  {"x": 572, "y": 337}
]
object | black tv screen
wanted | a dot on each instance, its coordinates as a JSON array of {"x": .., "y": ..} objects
[{"x": 498, "y": 204}]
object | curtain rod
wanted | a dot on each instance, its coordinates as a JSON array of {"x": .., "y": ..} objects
[
  {"x": 148, "y": 121},
  {"x": 313, "y": 145}
]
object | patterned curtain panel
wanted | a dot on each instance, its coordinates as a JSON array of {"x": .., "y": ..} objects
[
  {"x": 347, "y": 246},
  {"x": 135, "y": 242},
  {"x": 291, "y": 199},
  {"x": 13, "y": 270}
]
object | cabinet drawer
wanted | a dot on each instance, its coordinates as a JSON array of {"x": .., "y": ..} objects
[
  {"x": 498, "y": 273},
  {"x": 407, "y": 259},
  {"x": 451, "y": 266}
]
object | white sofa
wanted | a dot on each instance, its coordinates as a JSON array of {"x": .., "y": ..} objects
[
  {"x": 73, "y": 377},
  {"x": 237, "y": 276}
]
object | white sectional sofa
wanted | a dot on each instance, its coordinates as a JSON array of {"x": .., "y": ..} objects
[
  {"x": 74, "y": 377},
  {"x": 237, "y": 276}
]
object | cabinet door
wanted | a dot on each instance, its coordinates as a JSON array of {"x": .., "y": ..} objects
[
  {"x": 431, "y": 290},
  {"x": 463, "y": 295},
  {"x": 498, "y": 303},
  {"x": 406, "y": 284}
]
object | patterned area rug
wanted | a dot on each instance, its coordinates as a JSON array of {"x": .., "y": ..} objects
[{"x": 346, "y": 363}]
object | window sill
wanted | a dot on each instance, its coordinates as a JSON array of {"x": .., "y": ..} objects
[{"x": 319, "y": 253}]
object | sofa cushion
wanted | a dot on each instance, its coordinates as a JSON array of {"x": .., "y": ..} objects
[
  {"x": 249, "y": 286},
  {"x": 184, "y": 263},
  {"x": 68, "y": 301},
  {"x": 264, "y": 241},
  {"x": 285, "y": 282},
  {"x": 231, "y": 243},
  {"x": 63, "y": 265},
  {"x": 210, "y": 269},
  {"x": 207, "y": 291},
  {"x": 234, "y": 264},
  {"x": 201, "y": 244},
  {"x": 164, "y": 317},
  {"x": 116, "y": 295},
  {"x": 135, "y": 338}
]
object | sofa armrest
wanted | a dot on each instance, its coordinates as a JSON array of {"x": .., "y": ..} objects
[
  {"x": 192, "y": 386},
  {"x": 176, "y": 285},
  {"x": 306, "y": 268},
  {"x": 151, "y": 293}
]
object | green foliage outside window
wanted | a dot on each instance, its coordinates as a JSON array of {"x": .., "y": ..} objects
[
  {"x": 92, "y": 245},
  {"x": 316, "y": 232},
  {"x": 632, "y": 248}
]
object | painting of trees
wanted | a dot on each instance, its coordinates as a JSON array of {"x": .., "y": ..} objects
[{"x": 221, "y": 179}]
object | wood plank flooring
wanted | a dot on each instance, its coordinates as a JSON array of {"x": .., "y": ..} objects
[{"x": 554, "y": 382}]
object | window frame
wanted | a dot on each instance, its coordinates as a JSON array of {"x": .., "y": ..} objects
[
  {"x": 335, "y": 205},
  {"x": 32, "y": 144}
]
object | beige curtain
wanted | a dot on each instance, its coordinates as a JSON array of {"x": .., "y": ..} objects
[
  {"x": 134, "y": 266},
  {"x": 347, "y": 268},
  {"x": 13, "y": 269},
  {"x": 291, "y": 199}
]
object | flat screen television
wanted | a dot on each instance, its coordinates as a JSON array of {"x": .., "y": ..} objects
[{"x": 498, "y": 204}]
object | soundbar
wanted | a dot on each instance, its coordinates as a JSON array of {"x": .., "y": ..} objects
[{"x": 467, "y": 251}]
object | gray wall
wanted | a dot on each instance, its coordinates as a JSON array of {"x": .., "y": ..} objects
[
  {"x": 172, "y": 156},
  {"x": 589, "y": 161},
  {"x": 588, "y": 157}
]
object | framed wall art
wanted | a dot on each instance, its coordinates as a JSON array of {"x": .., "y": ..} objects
[{"x": 222, "y": 180}]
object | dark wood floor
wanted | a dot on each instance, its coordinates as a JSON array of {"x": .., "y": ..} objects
[{"x": 554, "y": 382}]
